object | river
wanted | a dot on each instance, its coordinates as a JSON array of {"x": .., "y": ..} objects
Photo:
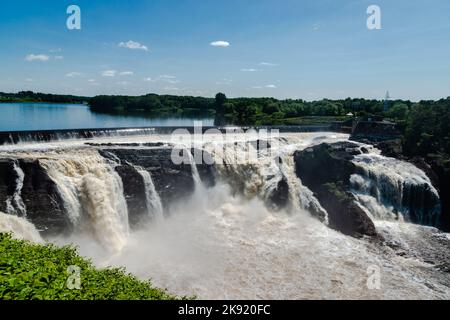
[{"x": 52, "y": 116}]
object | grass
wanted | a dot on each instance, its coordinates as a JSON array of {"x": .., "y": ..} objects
[{"x": 40, "y": 272}]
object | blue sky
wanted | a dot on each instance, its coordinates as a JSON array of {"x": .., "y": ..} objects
[{"x": 308, "y": 49}]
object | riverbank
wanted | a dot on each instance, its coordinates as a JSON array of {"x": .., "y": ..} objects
[{"x": 46, "y": 272}]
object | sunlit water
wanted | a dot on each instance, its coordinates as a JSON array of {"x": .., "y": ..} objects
[{"x": 46, "y": 116}]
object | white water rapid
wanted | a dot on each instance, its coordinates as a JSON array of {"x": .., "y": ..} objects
[{"x": 225, "y": 243}]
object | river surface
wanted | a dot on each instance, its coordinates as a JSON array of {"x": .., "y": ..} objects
[{"x": 52, "y": 116}]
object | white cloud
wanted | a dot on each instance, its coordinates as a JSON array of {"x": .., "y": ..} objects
[
  {"x": 55, "y": 50},
  {"x": 37, "y": 57},
  {"x": 126, "y": 73},
  {"x": 29, "y": 80},
  {"x": 271, "y": 86},
  {"x": 59, "y": 57},
  {"x": 73, "y": 74},
  {"x": 148, "y": 79},
  {"x": 220, "y": 43},
  {"x": 122, "y": 83},
  {"x": 268, "y": 64},
  {"x": 133, "y": 45},
  {"x": 109, "y": 73},
  {"x": 257, "y": 87},
  {"x": 249, "y": 70},
  {"x": 166, "y": 76},
  {"x": 91, "y": 80},
  {"x": 316, "y": 26}
]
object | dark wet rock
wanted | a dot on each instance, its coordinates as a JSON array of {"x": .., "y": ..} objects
[
  {"x": 173, "y": 181},
  {"x": 326, "y": 169},
  {"x": 442, "y": 171},
  {"x": 135, "y": 194},
  {"x": 326, "y": 163},
  {"x": 279, "y": 197},
  {"x": 344, "y": 214},
  {"x": 44, "y": 206},
  {"x": 7, "y": 181},
  {"x": 389, "y": 148}
]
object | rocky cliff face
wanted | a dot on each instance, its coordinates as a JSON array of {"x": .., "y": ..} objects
[
  {"x": 173, "y": 182},
  {"x": 326, "y": 169},
  {"x": 44, "y": 207},
  {"x": 39, "y": 195}
]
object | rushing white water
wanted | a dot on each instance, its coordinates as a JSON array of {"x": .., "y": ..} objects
[
  {"x": 224, "y": 242},
  {"x": 91, "y": 190},
  {"x": 19, "y": 227},
  {"x": 227, "y": 247},
  {"x": 15, "y": 204},
  {"x": 154, "y": 205},
  {"x": 392, "y": 189}
]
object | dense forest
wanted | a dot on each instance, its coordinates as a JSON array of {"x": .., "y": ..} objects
[
  {"x": 154, "y": 105},
  {"x": 29, "y": 96}
]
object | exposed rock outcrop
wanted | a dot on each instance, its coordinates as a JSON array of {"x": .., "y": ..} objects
[
  {"x": 326, "y": 169},
  {"x": 173, "y": 182},
  {"x": 40, "y": 196},
  {"x": 134, "y": 192}
]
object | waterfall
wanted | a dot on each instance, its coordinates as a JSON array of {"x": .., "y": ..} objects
[
  {"x": 392, "y": 189},
  {"x": 14, "y": 203},
  {"x": 92, "y": 193},
  {"x": 195, "y": 174},
  {"x": 301, "y": 197},
  {"x": 153, "y": 201},
  {"x": 258, "y": 174},
  {"x": 225, "y": 241},
  {"x": 19, "y": 227}
]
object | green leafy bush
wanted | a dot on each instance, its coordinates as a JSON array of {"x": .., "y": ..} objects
[{"x": 40, "y": 272}]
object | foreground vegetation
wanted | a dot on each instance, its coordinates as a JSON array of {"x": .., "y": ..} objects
[{"x": 40, "y": 272}]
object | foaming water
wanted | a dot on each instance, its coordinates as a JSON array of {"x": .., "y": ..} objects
[
  {"x": 392, "y": 189},
  {"x": 14, "y": 203},
  {"x": 20, "y": 228},
  {"x": 223, "y": 247},
  {"x": 224, "y": 242},
  {"x": 154, "y": 205},
  {"x": 91, "y": 190}
]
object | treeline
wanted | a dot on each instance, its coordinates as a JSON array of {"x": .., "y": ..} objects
[
  {"x": 268, "y": 111},
  {"x": 428, "y": 129},
  {"x": 154, "y": 105},
  {"x": 241, "y": 111},
  {"x": 30, "y": 96}
]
